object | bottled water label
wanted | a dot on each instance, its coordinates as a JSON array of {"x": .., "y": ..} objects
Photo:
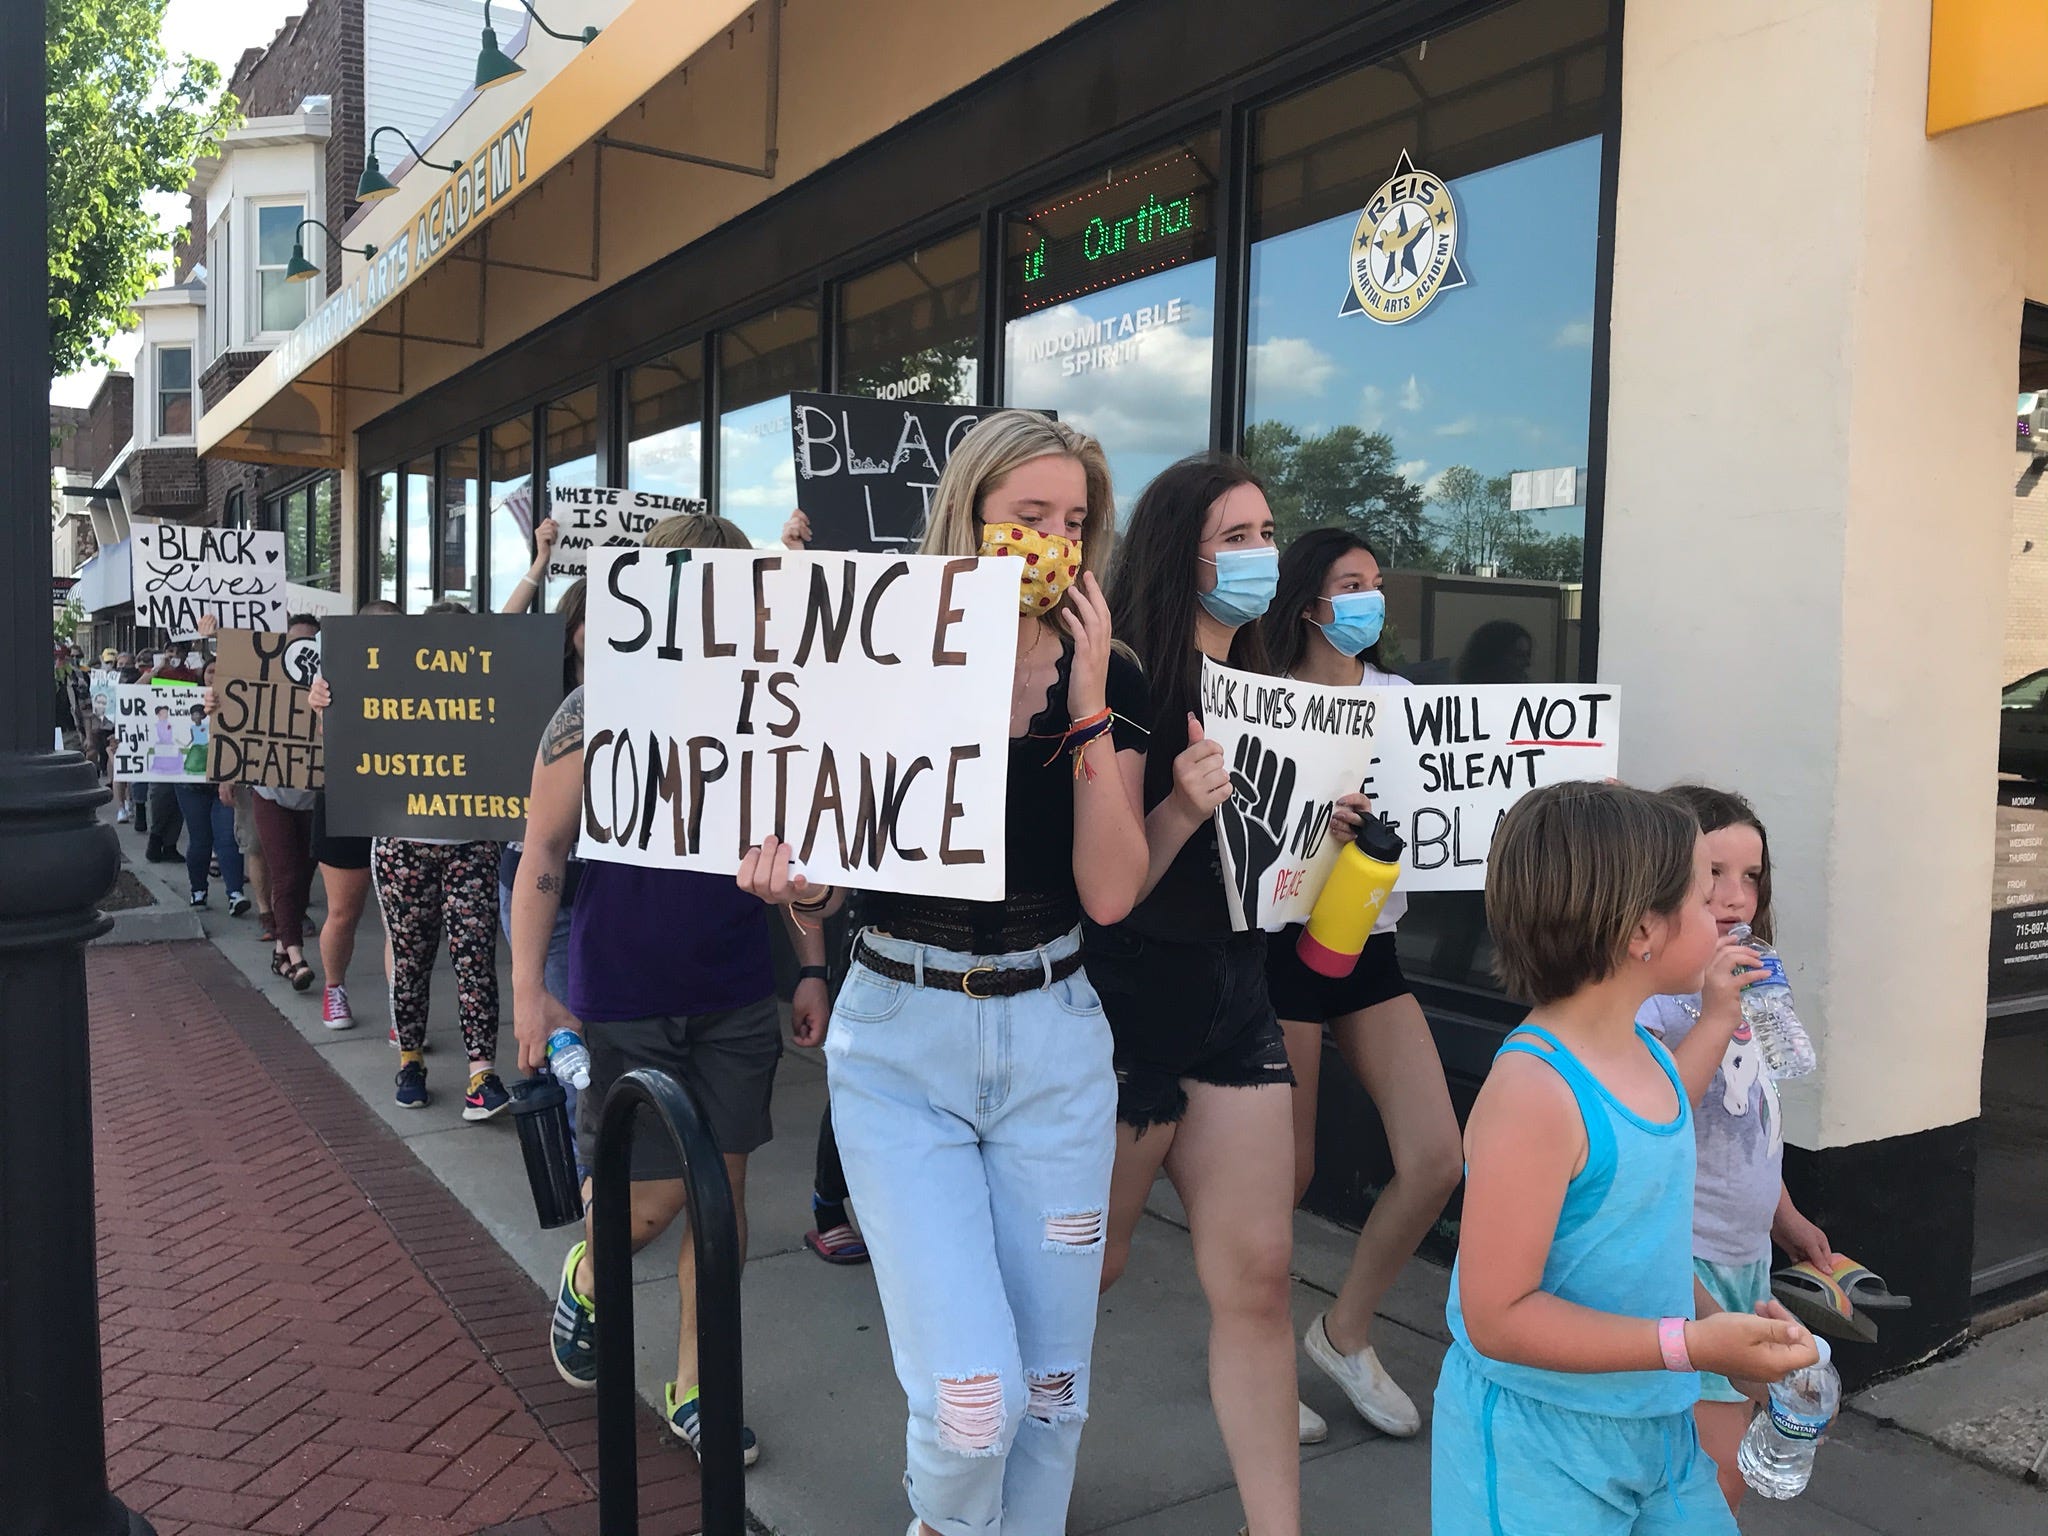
[
  {"x": 1796, "y": 1426},
  {"x": 1776, "y": 977}
]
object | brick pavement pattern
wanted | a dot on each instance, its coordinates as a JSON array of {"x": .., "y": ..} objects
[{"x": 302, "y": 1330}]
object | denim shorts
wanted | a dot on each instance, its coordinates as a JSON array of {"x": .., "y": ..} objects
[{"x": 1184, "y": 1012}]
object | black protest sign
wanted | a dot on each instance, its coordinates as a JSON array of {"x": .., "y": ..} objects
[
  {"x": 866, "y": 469},
  {"x": 435, "y": 720},
  {"x": 264, "y": 730}
]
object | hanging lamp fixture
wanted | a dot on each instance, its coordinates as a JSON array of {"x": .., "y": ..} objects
[
  {"x": 495, "y": 67},
  {"x": 374, "y": 183},
  {"x": 300, "y": 270}
]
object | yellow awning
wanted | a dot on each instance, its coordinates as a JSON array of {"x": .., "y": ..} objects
[
  {"x": 287, "y": 410},
  {"x": 1986, "y": 59}
]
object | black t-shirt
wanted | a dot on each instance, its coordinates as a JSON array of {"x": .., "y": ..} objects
[{"x": 1188, "y": 901}]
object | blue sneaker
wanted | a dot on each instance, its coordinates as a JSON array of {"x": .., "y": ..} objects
[
  {"x": 683, "y": 1419},
  {"x": 412, "y": 1086},
  {"x": 572, "y": 1332},
  {"x": 486, "y": 1097}
]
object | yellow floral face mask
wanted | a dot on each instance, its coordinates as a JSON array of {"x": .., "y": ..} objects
[{"x": 1050, "y": 563}]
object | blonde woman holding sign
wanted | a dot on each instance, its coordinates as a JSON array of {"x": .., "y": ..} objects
[{"x": 970, "y": 1064}]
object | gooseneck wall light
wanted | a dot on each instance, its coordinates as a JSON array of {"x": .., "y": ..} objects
[
  {"x": 300, "y": 270},
  {"x": 494, "y": 67},
  {"x": 374, "y": 184}
]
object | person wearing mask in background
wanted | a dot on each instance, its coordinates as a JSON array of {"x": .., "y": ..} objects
[
  {"x": 668, "y": 969},
  {"x": 166, "y": 820},
  {"x": 209, "y": 822},
  {"x": 1205, "y": 1092},
  {"x": 284, "y": 827}
]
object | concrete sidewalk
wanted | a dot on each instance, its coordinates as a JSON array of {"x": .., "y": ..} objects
[{"x": 821, "y": 1394}]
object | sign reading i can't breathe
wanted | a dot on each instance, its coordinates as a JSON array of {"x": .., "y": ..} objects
[
  {"x": 855, "y": 705},
  {"x": 434, "y": 721},
  {"x": 182, "y": 575},
  {"x": 264, "y": 731},
  {"x": 604, "y": 516}
]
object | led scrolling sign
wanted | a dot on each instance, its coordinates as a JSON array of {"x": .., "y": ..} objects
[{"x": 1110, "y": 234}]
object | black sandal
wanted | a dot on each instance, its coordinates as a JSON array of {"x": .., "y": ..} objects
[{"x": 299, "y": 974}]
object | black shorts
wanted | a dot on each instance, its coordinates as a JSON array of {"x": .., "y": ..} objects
[
  {"x": 1302, "y": 996},
  {"x": 1184, "y": 1012},
  {"x": 336, "y": 852}
]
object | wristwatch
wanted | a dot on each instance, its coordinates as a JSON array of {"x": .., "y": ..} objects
[{"x": 813, "y": 973}]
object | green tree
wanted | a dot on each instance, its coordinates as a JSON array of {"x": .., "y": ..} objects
[
  {"x": 1557, "y": 557},
  {"x": 1475, "y": 520},
  {"x": 125, "y": 120},
  {"x": 1343, "y": 478}
]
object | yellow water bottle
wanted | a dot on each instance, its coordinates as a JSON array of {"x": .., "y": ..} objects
[{"x": 1351, "y": 901}]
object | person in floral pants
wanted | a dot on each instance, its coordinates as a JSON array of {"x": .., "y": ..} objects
[{"x": 423, "y": 887}]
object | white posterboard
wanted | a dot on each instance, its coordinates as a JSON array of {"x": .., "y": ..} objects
[
  {"x": 857, "y": 705},
  {"x": 1293, "y": 748},
  {"x": 182, "y": 574},
  {"x": 104, "y": 681},
  {"x": 154, "y": 730},
  {"x": 604, "y": 517},
  {"x": 1449, "y": 762}
]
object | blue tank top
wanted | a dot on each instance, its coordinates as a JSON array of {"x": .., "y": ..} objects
[{"x": 1623, "y": 1242}]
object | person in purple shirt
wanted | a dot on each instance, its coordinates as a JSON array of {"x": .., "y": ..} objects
[{"x": 668, "y": 969}]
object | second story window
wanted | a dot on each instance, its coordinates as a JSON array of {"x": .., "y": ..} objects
[
  {"x": 173, "y": 391},
  {"x": 281, "y": 305}
]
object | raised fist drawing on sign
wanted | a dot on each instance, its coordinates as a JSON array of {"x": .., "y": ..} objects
[{"x": 1255, "y": 817}]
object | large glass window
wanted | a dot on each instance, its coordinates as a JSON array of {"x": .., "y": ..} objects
[
  {"x": 570, "y": 424},
  {"x": 173, "y": 391},
  {"x": 1112, "y": 286},
  {"x": 384, "y": 518},
  {"x": 665, "y": 423},
  {"x": 909, "y": 331},
  {"x": 280, "y": 303},
  {"x": 305, "y": 515},
  {"x": 419, "y": 535},
  {"x": 510, "y": 447},
  {"x": 759, "y": 362},
  {"x": 458, "y": 521},
  {"x": 1447, "y": 424}
]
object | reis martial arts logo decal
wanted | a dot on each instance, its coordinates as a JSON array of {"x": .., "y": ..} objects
[{"x": 1404, "y": 251}]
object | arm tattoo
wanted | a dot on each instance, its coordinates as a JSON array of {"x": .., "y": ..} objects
[
  {"x": 565, "y": 731},
  {"x": 547, "y": 883}
]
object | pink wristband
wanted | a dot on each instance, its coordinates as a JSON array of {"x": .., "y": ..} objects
[{"x": 1671, "y": 1341}]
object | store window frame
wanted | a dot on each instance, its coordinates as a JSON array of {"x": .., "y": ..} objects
[{"x": 279, "y": 509}]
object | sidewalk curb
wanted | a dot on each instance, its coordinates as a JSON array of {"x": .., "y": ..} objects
[{"x": 152, "y": 925}]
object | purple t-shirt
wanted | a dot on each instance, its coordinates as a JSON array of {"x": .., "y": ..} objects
[{"x": 644, "y": 942}]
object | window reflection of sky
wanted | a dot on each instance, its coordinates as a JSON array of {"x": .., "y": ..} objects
[
  {"x": 756, "y": 470},
  {"x": 1496, "y": 375},
  {"x": 668, "y": 463}
]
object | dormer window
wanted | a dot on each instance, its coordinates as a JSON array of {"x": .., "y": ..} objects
[
  {"x": 173, "y": 391},
  {"x": 281, "y": 304}
]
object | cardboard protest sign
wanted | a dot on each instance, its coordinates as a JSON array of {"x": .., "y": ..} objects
[
  {"x": 104, "y": 682},
  {"x": 182, "y": 574},
  {"x": 264, "y": 731},
  {"x": 866, "y": 469},
  {"x": 160, "y": 733},
  {"x": 1293, "y": 748},
  {"x": 856, "y": 705},
  {"x": 604, "y": 517},
  {"x": 435, "y": 721},
  {"x": 1449, "y": 762}
]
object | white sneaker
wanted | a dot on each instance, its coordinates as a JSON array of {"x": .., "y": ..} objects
[
  {"x": 1376, "y": 1396},
  {"x": 121, "y": 814},
  {"x": 1314, "y": 1428}
]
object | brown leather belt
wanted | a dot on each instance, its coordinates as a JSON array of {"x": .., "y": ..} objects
[{"x": 984, "y": 981}]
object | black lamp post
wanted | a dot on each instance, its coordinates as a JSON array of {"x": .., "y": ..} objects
[{"x": 56, "y": 861}]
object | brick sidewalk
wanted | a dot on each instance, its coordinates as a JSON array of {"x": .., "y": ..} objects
[{"x": 302, "y": 1330}]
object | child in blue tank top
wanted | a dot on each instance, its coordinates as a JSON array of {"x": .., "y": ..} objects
[{"x": 1565, "y": 1404}]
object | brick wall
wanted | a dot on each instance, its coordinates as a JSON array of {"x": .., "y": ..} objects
[
  {"x": 67, "y": 429},
  {"x": 109, "y": 423},
  {"x": 2026, "y": 606},
  {"x": 165, "y": 482}
]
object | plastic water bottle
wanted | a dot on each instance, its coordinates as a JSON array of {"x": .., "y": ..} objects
[
  {"x": 1777, "y": 1452},
  {"x": 1767, "y": 1008},
  {"x": 569, "y": 1058}
]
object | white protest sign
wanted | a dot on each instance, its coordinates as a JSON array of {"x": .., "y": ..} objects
[
  {"x": 1293, "y": 748},
  {"x": 160, "y": 733},
  {"x": 104, "y": 681},
  {"x": 857, "y": 705},
  {"x": 182, "y": 574},
  {"x": 1449, "y": 762},
  {"x": 604, "y": 517},
  {"x": 317, "y": 601}
]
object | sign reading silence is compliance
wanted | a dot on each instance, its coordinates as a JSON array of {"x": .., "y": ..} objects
[{"x": 435, "y": 720}]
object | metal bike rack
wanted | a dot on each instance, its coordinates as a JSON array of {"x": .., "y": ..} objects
[{"x": 714, "y": 1231}]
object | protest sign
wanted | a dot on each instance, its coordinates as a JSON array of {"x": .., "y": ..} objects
[
  {"x": 866, "y": 469},
  {"x": 264, "y": 731},
  {"x": 160, "y": 733},
  {"x": 1293, "y": 748},
  {"x": 104, "y": 681},
  {"x": 604, "y": 517},
  {"x": 1449, "y": 762},
  {"x": 317, "y": 601},
  {"x": 435, "y": 721},
  {"x": 856, "y": 705},
  {"x": 182, "y": 574}
]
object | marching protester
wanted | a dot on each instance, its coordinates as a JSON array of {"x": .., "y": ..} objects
[
  {"x": 984, "y": 1198},
  {"x": 135, "y": 809},
  {"x": 1324, "y": 627},
  {"x": 165, "y": 823},
  {"x": 209, "y": 819},
  {"x": 345, "y": 878},
  {"x": 284, "y": 828},
  {"x": 1205, "y": 1092},
  {"x": 667, "y": 969}
]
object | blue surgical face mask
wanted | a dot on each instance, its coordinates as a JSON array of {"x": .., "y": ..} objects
[
  {"x": 1356, "y": 621},
  {"x": 1245, "y": 582}
]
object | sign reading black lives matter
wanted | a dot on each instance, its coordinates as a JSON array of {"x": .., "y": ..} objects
[
  {"x": 182, "y": 575},
  {"x": 857, "y": 705},
  {"x": 866, "y": 469},
  {"x": 604, "y": 517},
  {"x": 435, "y": 721},
  {"x": 264, "y": 730}
]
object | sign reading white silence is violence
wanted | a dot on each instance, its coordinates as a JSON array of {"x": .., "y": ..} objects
[
  {"x": 182, "y": 575},
  {"x": 855, "y": 705},
  {"x": 604, "y": 517}
]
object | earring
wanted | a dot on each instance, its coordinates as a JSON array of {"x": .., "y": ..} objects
[{"x": 1646, "y": 957}]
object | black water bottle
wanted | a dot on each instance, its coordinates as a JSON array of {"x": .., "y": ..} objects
[{"x": 540, "y": 1110}]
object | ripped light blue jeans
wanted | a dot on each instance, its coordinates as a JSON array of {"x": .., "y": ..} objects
[{"x": 978, "y": 1137}]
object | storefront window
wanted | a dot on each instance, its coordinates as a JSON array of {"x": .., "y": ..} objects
[
  {"x": 385, "y": 520},
  {"x": 419, "y": 535},
  {"x": 510, "y": 447},
  {"x": 571, "y": 428},
  {"x": 1112, "y": 285},
  {"x": 458, "y": 521},
  {"x": 909, "y": 331},
  {"x": 665, "y": 423},
  {"x": 759, "y": 362},
  {"x": 1447, "y": 424},
  {"x": 305, "y": 515}
]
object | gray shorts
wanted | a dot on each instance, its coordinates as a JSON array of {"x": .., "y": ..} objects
[{"x": 725, "y": 1060}]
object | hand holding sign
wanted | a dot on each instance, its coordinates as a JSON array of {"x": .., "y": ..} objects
[{"x": 1201, "y": 778}]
